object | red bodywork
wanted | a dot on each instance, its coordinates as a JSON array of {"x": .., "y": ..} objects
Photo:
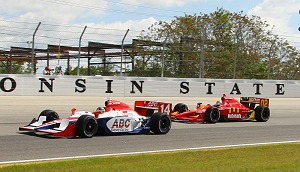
[
  {"x": 196, "y": 115},
  {"x": 232, "y": 109},
  {"x": 147, "y": 108}
]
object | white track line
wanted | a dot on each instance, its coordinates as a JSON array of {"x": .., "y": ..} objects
[{"x": 144, "y": 152}]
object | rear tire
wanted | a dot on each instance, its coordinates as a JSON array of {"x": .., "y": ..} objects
[
  {"x": 160, "y": 123},
  {"x": 262, "y": 113},
  {"x": 180, "y": 107},
  {"x": 50, "y": 115},
  {"x": 86, "y": 126},
  {"x": 212, "y": 115}
]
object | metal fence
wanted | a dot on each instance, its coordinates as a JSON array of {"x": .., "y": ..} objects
[{"x": 39, "y": 35}]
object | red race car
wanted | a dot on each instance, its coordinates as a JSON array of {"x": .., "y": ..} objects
[{"x": 228, "y": 109}]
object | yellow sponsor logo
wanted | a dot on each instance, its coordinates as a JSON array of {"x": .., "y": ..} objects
[
  {"x": 234, "y": 110},
  {"x": 252, "y": 115}
]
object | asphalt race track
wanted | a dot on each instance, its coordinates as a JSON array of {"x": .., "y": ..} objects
[{"x": 284, "y": 125}]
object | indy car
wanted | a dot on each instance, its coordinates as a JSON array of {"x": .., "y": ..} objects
[
  {"x": 228, "y": 109},
  {"x": 115, "y": 118}
]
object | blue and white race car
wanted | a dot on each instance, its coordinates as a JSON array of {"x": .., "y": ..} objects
[{"x": 115, "y": 118}]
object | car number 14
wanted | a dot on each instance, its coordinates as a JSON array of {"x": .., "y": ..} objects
[{"x": 165, "y": 108}]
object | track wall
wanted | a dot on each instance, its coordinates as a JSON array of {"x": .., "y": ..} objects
[{"x": 105, "y": 86}]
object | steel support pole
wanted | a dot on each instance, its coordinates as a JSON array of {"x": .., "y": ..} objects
[
  {"x": 122, "y": 47},
  {"x": 163, "y": 58},
  {"x": 78, "y": 66},
  {"x": 32, "y": 51},
  {"x": 202, "y": 53},
  {"x": 269, "y": 59},
  {"x": 234, "y": 62}
]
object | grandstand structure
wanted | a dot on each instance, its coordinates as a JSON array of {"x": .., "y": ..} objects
[{"x": 92, "y": 50}]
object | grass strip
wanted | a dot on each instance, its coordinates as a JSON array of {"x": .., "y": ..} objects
[{"x": 281, "y": 157}]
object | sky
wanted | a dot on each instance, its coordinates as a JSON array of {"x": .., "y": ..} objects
[{"x": 62, "y": 22}]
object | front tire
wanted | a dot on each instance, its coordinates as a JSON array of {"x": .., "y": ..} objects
[
  {"x": 86, "y": 126},
  {"x": 50, "y": 115},
  {"x": 212, "y": 115},
  {"x": 180, "y": 107},
  {"x": 160, "y": 123},
  {"x": 262, "y": 113}
]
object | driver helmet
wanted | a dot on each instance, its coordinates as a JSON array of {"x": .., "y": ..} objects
[
  {"x": 218, "y": 102},
  {"x": 199, "y": 104},
  {"x": 100, "y": 109}
]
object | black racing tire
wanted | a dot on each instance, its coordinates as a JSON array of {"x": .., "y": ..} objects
[
  {"x": 180, "y": 107},
  {"x": 50, "y": 115},
  {"x": 212, "y": 115},
  {"x": 160, "y": 123},
  {"x": 86, "y": 126},
  {"x": 262, "y": 113}
]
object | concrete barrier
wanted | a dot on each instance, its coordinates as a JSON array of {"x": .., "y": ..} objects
[{"x": 112, "y": 86}]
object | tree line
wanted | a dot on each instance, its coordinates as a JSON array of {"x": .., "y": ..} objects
[{"x": 221, "y": 44}]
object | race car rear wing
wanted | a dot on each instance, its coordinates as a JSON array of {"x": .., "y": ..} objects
[
  {"x": 147, "y": 108},
  {"x": 251, "y": 102}
]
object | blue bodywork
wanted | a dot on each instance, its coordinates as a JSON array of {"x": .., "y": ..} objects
[{"x": 144, "y": 128}]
